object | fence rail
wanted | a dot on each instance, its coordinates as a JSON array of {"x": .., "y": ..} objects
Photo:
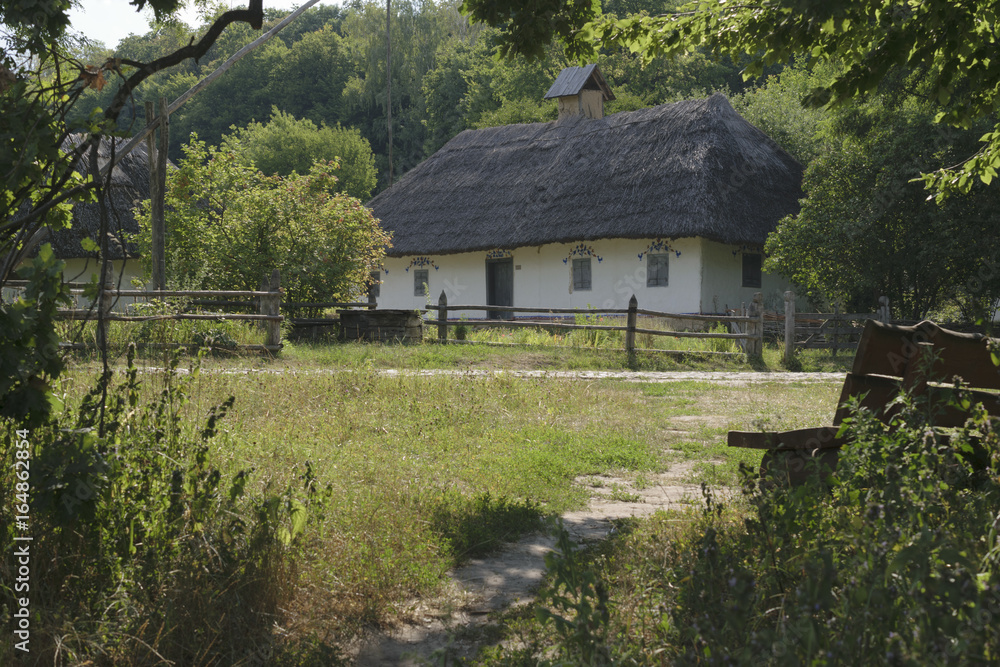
[
  {"x": 750, "y": 335},
  {"x": 828, "y": 331},
  {"x": 267, "y": 301},
  {"x": 747, "y": 329}
]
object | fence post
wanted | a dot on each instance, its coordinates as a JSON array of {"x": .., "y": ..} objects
[
  {"x": 443, "y": 318},
  {"x": 262, "y": 302},
  {"x": 630, "y": 322},
  {"x": 883, "y": 313},
  {"x": 271, "y": 305},
  {"x": 836, "y": 328},
  {"x": 755, "y": 345},
  {"x": 789, "y": 328}
]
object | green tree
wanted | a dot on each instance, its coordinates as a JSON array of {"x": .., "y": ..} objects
[
  {"x": 285, "y": 145},
  {"x": 776, "y": 108},
  {"x": 418, "y": 29},
  {"x": 230, "y": 225},
  {"x": 866, "y": 230},
  {"x": 309, "y": 80},
  {"x": 41, "y": 81}
]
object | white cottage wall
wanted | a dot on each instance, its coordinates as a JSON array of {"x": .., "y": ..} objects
[
  {"x": 722, "y": 281},
  {"x": 543, "y": 277},
  {"x": 79, "y": 270}
]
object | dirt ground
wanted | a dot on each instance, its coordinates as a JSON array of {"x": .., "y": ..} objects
[
  {"x": 437, "y": 632},
  {"x": 510, "y": 577}
]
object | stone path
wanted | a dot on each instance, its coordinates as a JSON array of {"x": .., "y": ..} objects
[
  {"x": 511, "y": 577},
  {"x": 739, "y": 378}
]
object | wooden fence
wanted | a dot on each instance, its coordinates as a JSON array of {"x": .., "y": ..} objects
[
  {"x": 267, "y": 301},
  {"x": 747, "y": 328},
  {"x": 263, "y": 306},
  {"x": 834, "y": 331},
  {"x": 750, "y": 336}
]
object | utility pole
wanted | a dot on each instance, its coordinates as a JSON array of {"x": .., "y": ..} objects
[
  {"x": 157, "y": 158},
  {"x": 388, "y": 78}
]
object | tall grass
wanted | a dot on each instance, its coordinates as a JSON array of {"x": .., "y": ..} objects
[
  {"x": 893, "y": 561},
  {"x": 598, "y": 338},
  {"x": 398, "y": 477},
  {"x": 156, "y": 338}
]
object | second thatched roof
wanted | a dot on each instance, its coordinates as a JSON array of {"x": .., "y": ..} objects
[
  {"x": 129, "y": 187},
  {"x": 693, "y": 168}
]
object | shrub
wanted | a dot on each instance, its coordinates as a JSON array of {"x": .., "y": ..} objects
[
  {"x": 144, "y": 549},
  {"x": 894, "y": 560}
]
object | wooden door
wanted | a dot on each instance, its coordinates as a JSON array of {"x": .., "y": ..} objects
[{"x": 499, "y": 287}]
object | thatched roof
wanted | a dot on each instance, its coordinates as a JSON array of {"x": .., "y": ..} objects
[
  {"x": 129, "y": 186},
  {"x": 693, "y": 168}
]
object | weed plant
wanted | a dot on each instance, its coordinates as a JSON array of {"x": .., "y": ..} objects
[
  {"x": 894, "y": 560},
  {"x": 143, "y": 550}
]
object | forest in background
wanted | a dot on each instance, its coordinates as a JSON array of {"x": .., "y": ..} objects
[
  {"x": 328, "y": 68},
  {"x": 318, "y": 90}
]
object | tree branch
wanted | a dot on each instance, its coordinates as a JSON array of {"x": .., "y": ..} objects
[{"x": 253, "y": 16}]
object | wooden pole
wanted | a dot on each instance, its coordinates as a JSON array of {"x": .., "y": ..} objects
[
  {"x": 836, "y": 326},
  {"x": 630, "y": 324},
  {"x": 789, "y": 328},
  {"x": 157, "y": 158},
  {"x": 161, "y": 174},
  {"x": 755, "y": 345},
  {"x": 152, "y": 163},
  {"x": 105, "y": 299},
  {"x": 388, "y": 79},
  {"x": 443, "y": 318},
  {"x": 273, "y": 308}
]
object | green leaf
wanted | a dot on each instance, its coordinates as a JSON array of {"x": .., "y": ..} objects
[
  {"x": 298, "y": 514},
  {"x": 89, "y": 245}
]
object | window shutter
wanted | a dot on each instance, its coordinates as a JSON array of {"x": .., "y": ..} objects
[
  {"x": 581, "y": 274},
  {"x": 657, "y": 270}
]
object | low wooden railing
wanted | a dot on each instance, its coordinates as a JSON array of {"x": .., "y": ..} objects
[
  {"x": 750, "y": 336},
  {"x": 267, "y": 301}
]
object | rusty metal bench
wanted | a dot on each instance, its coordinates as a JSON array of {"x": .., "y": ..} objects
[{"x": 888, "y": 361}]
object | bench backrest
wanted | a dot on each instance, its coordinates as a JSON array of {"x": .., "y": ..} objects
[{"x": 891, "y": 358}]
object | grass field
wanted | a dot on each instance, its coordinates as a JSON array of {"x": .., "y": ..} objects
[{"x": 423, "y": 472}]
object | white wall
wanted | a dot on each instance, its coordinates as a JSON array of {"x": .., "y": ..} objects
[
  {"x": 722, "y": 281},
  {"x": 122, "y": 273},
  {"x": 543, "y": 279},
  {"x": 79, "y": 270}
]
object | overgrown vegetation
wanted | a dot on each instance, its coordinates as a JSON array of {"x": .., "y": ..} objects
[
  {"x": 400, "y": 478},
  {"x": 231, "y": 225},
  {"x": 893, "y": 561},
  {"x": 155, "y": 338},
  {"x": 142, "y": 548}
]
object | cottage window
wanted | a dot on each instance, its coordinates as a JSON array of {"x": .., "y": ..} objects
[
  {"x": 657, "y": 270},
  {"x": 420, "y": 282},
  {"x": 581, "y": 273},
  {"x": 751, "y": 269},
  {"x": 375, "y": 286}
]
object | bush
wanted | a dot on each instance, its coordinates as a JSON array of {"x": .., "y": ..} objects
[
  {"x": 894, "y": 560},
  {"x": 144, "y": 549}
]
